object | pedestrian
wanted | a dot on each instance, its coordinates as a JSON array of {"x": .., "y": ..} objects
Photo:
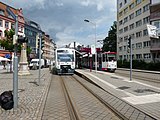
[{"x": 4, "y": 64}]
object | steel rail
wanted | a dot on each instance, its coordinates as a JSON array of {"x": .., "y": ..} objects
[
  {"x": 73, "y": 112},
  {"x": 121, "y": 116}
]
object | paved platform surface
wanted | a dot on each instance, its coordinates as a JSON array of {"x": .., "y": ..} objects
[
  {"x": 145, "y": 97},
  {"x": 32, "y": 97}
]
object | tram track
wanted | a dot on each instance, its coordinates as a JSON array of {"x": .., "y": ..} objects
[
  {"x": 77, "y": 98},
  {"x": 88, "y": 105}
]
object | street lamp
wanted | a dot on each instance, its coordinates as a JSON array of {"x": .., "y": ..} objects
[{"x": 95, "y": 43}]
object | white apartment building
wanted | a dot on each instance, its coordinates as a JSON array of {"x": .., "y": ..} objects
[{"x": 132, "y": 17}]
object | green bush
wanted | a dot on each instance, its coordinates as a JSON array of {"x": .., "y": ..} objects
[
  {"x": 139, "y": 64},
  {"x": 54, "y": 70}
]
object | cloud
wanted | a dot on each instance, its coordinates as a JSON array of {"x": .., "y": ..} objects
[{"x": 63, "y": 20}]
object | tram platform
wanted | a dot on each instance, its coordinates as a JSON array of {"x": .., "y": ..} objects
[{"x": 144, "y": 97}]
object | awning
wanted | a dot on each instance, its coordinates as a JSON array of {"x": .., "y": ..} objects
[
  {"x": 4, "y": 59},
  {"x": 2, "y": 55}
]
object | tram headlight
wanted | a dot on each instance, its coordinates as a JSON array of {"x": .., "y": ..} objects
[{"x": 72, "y": 66}]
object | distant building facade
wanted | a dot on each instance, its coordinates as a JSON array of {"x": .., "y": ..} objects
[
  {"x": 49, "y": 48},
  {"x": 132, "y": 17},
  {"x": 32, "y": 30}
]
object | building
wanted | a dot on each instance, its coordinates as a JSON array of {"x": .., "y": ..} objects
[
  {"x": 155, "y": 20},
  {"x": 49, "y": 48},
  {"x": 132, "y": 17},
  {"x": 7, "y": 22},
  {"x": 32, "y": 29}
]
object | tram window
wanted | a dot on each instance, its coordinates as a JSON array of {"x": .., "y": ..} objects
[{"x": 103, "y": 57}]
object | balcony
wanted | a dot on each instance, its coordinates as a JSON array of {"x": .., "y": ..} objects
[
  {"x": 155, "y": 47},
  {"x": 155, "y": 16}
]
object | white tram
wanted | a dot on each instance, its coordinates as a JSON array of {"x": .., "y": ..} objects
[
  {"x": 65, "y": 60},
  {"x": 108, "y": 61}
]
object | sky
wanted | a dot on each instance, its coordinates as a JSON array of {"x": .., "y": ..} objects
[{"x": 64, "y": 21}]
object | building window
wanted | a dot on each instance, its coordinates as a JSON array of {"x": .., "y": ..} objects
[
  {"x": 138, "y": 45},
  {"x": 120, "y": 48},
  {"x": 125, "y": 38},
  {"x": 126, "y": 29},
  {"x": 138, "y": 34},
  {"x": 131, "y": 26},
  {"x": 133, "y": 46},
  {"x": 138, "y": 56},
  {"x": 125, "y": 48},
  {"x": 146, "y": 44},
  {"x": 120, "y": 14},
  {"x": 120, "y": 31},
  {"x": 146, "y": 20},
  {"x": 157, "y": 24},
  {"x": 131, "y": 16},
  {"x": 138, "y": 12},
  {"x": 145, "y": 32},
  {"x": 131, "y": 6},
  {"x": 138, "y": 2},
  {"x": 120, "y": 22},
  {"x": 120, "y": 39},
  {"x": 1, "y": 12},
  {"x": 120, "y": 5},
  {"x": 132, "y": 36},
  {"x": 125, "y": 10},
  {"x": 1, "y": 23},
  {"x": 138, "y": 23},
  {"x": 146, "y": 8},
  {"x": 125, "y": 19},
  {"x": 147, "y": 55},
  {"x": 125, "y": 1},
  {"x": 6, "y": 24}
]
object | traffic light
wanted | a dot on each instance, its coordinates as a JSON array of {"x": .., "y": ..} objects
[
  {"x": 42, "y": 43},
  {"x": 129, "y": 42},
  {"x": 22, "y": 40}
]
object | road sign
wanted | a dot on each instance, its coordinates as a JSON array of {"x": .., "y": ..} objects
[{"x": 7, "y": 55}]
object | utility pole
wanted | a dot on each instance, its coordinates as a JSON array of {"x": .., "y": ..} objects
[
  {"x": 39, "y": 75},
  {"x": 15, "y": 59},
  {"x": 15, "y": 69}
]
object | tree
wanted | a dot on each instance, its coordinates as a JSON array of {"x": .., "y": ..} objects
[
  {"x": 8, "y": 41},
  {"x": 109, "y": 43}
]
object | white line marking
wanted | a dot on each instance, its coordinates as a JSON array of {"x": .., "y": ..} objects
[
  {"x": 143, "y": 99},
  {"x": 105, "y": 82}
]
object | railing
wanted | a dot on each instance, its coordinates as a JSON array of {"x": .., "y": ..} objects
[{"x": 155, "y": 15}]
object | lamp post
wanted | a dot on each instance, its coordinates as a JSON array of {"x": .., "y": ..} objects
[{"x": 95, "y": 43}]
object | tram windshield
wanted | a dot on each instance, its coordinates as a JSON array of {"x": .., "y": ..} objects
[
  {"x": 109, "y": 57},
  {"x": 65, "y": 57}
]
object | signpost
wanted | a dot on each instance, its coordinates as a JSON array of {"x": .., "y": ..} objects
[{"x": 15, "y": 60}]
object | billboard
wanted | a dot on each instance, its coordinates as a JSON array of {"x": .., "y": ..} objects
[{"x": 152, "y": 31}]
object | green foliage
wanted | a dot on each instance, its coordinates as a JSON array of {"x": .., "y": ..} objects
[
  {"x": 8, "y": 41},
  {"x": 54, "y": 70},
  {"x": 139, "y": 64},
  {"x": 109, "y": 43},
  {"x": 29, "y": 50}
]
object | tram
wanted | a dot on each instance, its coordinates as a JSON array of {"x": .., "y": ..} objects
[
  {"x": 65, "y": 61},
  {"x": 106, "y": 61}
]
